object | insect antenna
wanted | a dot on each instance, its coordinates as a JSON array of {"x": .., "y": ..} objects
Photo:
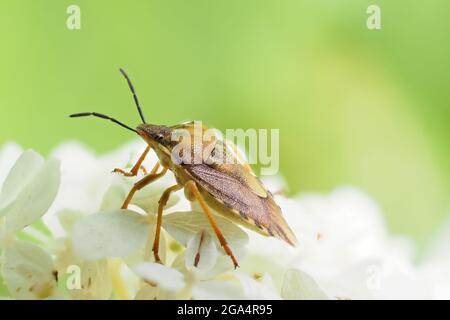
[
  {"x": 141, "y": 114},
  {"x": 102, "y": 116}
]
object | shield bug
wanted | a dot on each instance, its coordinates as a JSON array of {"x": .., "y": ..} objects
[{"x": 230, "y": 189}]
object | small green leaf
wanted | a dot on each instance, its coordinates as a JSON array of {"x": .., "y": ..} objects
[
  {"x": 23, "y": 235},
  {"x": 40, "y": 226}
]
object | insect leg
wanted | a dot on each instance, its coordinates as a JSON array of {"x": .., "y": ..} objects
[
  {"x": 155, "y": 168},
  {"x": 194, "y": 190},
  {"x": 142, "y": 183},
  {"x": 161, "y": 203},
  {"x": 134, "y": 171}
]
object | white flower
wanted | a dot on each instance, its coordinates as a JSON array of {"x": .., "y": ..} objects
[
  {"x": 345, "y": 247},
  {"x": 98, "y": 251},
  {"x": 436, "y": 265},
  {"x": 27, "y": 192}
]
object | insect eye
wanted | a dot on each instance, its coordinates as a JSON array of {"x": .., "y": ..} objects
[{"x": 159, "y": 137}]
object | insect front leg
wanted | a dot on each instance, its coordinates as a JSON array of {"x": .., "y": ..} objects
[
  {"x": 161, "y": 204},
  {"x": 192, "y": 187},
  {"x": 142, "y": 183},
  {"x": 134, "y": 171}
]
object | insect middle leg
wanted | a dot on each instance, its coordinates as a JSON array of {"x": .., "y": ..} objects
[
  {"x": 192, "y": 187},
  {"x": 161, "y": 204},
  {"x": 142, "y": 183},
  {"x": 134, "y": 171}
]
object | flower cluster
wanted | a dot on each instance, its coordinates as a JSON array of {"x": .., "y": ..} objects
[{"x": 63, "y": 236}]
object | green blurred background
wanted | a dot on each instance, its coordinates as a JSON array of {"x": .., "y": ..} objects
[{"x": 354, "y": 106}]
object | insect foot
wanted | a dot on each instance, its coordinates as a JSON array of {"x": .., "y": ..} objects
[
  {"x": 157, "y": 258},
  {"x": 130, "y": 173},
  {"x": 231, "y": 255}
]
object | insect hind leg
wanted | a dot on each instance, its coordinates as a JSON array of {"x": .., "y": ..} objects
[{"x": 193, "y": 190}]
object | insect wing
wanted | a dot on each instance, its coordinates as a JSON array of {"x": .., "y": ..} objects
[{"x": 243, "y": 192}]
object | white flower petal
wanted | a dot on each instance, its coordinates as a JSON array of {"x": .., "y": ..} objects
[
  {"x": 297, "y": 285},
  {"x": 201, "y": 250},
  {"x": 254, "y": 289},
  {"x": 217, "y": 290},
  {"x": 9, "y": 154},
  {"x": 109, "y": 234},
  {"x": 23, "y": 171},
  {"x": 164, "y": 277},
  {"x": 35, "y": 198},
  {"x": 28, "y": 271}
]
